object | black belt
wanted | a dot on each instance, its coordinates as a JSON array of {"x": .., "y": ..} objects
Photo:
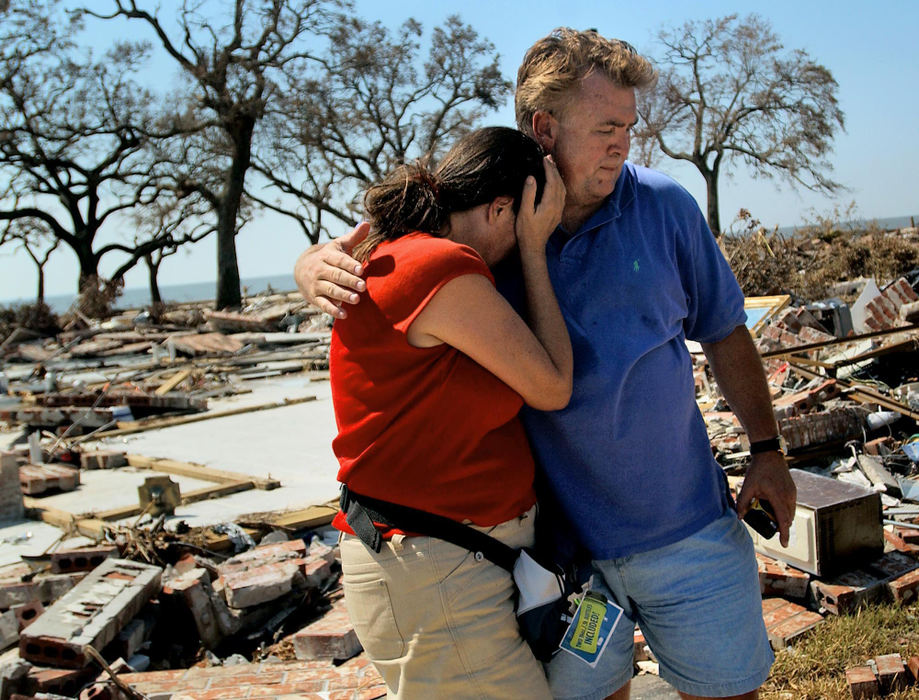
[{"x": 362, "y": 512}]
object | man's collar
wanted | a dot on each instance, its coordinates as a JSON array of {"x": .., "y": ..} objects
[{"x": 613, "y": 206}]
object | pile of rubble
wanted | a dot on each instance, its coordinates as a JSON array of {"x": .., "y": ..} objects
[
  {"x": 144, "y": 369},
  {"x": 90, "y": 622},
  {"x": 845, "y": 385},
  {"x": 108, "y": 620},
  {"x": 203, "y": 604},
  {"x": 214, "y": 612}
]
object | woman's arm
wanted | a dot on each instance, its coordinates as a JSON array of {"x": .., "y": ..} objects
[{"x": 469, "y": 313}]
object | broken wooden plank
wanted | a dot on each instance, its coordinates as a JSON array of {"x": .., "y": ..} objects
[
  {"x": 782, "y": 352},
  {"x": 173, "y": 382},
  {"x": 860, "y": 393},
  {"x": 130, "y": 427},
  {"x": 874, "y": 469},
  {"x": 310, "y": 517},
  {"x": 187, "y": 498},
  {"x": 88, "y": 527},
  {"x": 199, "y": 471}
]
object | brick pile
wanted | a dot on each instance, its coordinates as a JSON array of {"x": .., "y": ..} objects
[
  {"x": 355, "y": 679},
  {"x": 120, "y": 605},
  {"x": 818, "y": 427},
  {"x": 884, "y": 310},
  {"x": 90, "y": 614},
  {"x": 796, "y": 326},
  {"x": 882, "y": 676},
  {"x": 39, "y": 478}
]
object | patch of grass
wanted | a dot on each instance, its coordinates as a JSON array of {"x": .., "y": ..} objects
[{"x": 815, "y": 667}]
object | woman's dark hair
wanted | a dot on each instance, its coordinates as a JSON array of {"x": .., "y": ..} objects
[{"x": 485, "y": 164}]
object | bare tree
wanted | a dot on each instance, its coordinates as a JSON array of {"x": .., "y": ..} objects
[
  {"x": 727, "y": 91},
  {"x": 37, "y": 244},
  {"x": 235, "y": 68},
  {"x": 72, "y": 144},
  {"x": 376, "y": 100},
  {"x": 177, "y": 221}
]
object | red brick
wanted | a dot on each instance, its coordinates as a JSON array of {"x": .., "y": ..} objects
[
  {"x": 164, "y": 686},
  {"x": 53, "y": 680},
  {"x": 193, "y": 588},
  {"x": 310, "y": 676},
  {"x": 264, "y": 554},
  {"x": 171, "y": 675},
  {"x": 102, "y": 459},
  {"x": 373, "y": 693},
  {"x": 910, "y": 535},
  {"x": 913, "y": 666},
  {"x": 778, "y": 579},
  {"x": 46, "y": 589},
  {"x": 38, "y": 478},
  {"x": 261, "y": 584},
  {"x": 905, "y": 589},
  {"x": 186, "y": 563},
  {"x": 330, "y": 637},
  {"x": 873, "y": 447},
  {"x": 785, "y": 621},
  {"x": 840, "y": 599},
  {"x": 356, "y": 678},
  {"x": 802, "y": 400},
  {"x": 862, "y": 682},
  {"x": 905, "y": 289},
  {"x": 235, "y": 670},
  {"x": 891, "y": 672},
  {"x": 27, "y": 613},
  {"x": 317, "y": 572},
  {"x": 251, "y": 678},
  {"x": 262, "y": 691},
  {"x": 219, "y": 694},
  {"x": 81, "y": 558},
  {"x": 896, "y": 539}
]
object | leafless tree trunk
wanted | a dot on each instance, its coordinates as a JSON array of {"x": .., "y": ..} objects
[{"x": 235, "y": 68}]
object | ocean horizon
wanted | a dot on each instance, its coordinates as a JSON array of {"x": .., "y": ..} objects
[{"x": 139, "y": 297}]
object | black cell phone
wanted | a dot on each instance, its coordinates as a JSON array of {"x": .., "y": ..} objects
[{"x": 761, "y": 518}]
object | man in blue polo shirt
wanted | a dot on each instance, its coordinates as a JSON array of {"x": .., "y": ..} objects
[{"x": 637, "y": 272}]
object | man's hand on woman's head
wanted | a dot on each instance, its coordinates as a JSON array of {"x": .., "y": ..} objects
[{"x": 328, "y": 277}]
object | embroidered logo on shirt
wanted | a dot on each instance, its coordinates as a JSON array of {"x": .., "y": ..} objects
[{"x": 635, "y": 265}]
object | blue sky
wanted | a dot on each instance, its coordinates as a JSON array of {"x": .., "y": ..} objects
[{"x": 870, "y": 48}]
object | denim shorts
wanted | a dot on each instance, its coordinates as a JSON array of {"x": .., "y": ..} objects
[{"x": 698, "y": 604}]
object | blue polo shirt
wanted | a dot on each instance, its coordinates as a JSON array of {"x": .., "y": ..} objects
[{"x": 629, "y": 458}]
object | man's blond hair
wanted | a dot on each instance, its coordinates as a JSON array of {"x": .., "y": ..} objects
[{"x": 556, "y": 64}]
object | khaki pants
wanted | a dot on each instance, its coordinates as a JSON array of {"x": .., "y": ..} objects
[{"x": 437, "y": 623}]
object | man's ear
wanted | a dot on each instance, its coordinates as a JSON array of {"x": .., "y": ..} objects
[
  {"x": 545, "y": 128},
  {"x": 498, "y": 206}
]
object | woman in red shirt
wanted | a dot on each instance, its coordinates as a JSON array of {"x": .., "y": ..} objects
[{"x": 429, "y": 371}]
